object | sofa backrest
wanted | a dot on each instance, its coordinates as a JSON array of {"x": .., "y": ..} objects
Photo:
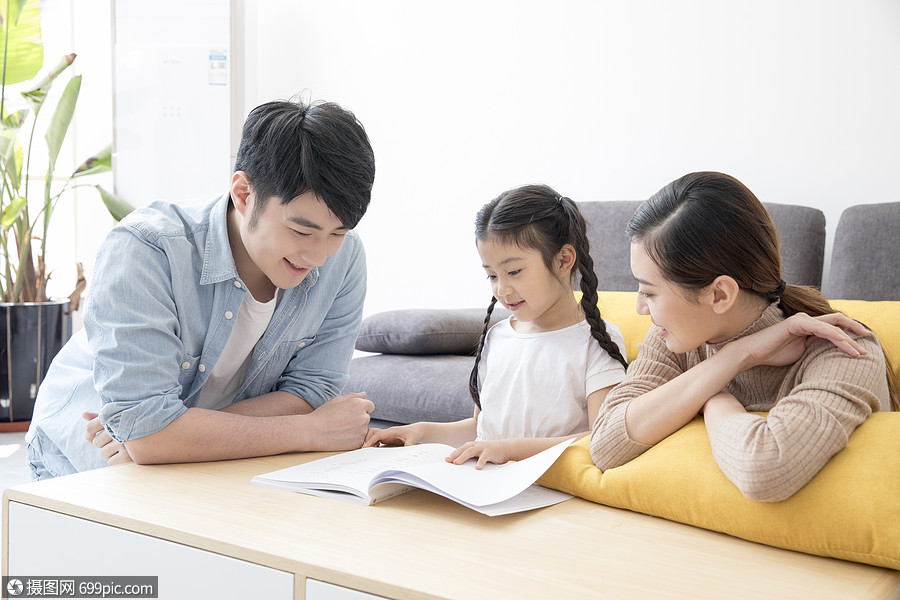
[
  {"x": 610, "y": 245},
  {"x": 801, "y": 232},
  {"x": 865, "y": 259}
]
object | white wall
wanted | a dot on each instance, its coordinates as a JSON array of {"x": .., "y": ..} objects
[{"x": 604, "y": 100}]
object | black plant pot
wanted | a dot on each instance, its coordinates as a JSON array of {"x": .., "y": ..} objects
[{"x": 30, "y": 336}]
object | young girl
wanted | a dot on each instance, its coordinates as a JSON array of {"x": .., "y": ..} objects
[
  {"x": 541, "y": 375},
  {"x": 730, "y": 337}
]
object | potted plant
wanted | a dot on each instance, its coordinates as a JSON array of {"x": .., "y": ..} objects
[{"x": 33, "y": 327}]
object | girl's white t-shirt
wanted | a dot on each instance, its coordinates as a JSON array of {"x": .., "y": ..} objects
[
  {"x": 537, "y": 384},
  {"x": 229, "y": 371}
]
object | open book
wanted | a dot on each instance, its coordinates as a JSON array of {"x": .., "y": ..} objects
[{"x": 371, "y": 475}]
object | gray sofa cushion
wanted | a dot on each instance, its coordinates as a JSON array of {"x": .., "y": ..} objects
[
  {"x": 801, "y": 233},
  {"x": 425, "y": 331},
  {"x": 610, "y": 245},
  {"x": 407, "y": 389},
  {"x": 865, "y": 262}
]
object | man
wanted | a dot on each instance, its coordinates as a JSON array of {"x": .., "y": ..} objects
[{"x": 224, "y": 329}]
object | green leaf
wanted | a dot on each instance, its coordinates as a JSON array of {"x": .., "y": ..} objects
[
  {"x": 11, "y": 157},
  {"x": 21, "y": 37},
  {"x": 117, "y": 207},
  {"x": 59, "y": 124},
  {"x": 12, "y": 211},
  {"x": 101, "y": 162},
  {"x": 10, "y": 149},
  {"x": 15, "y": 10},
  {"x": 37, "y": 93},
  {"x": 14, "y": 120},
  {"x": 56, "y": 133}
]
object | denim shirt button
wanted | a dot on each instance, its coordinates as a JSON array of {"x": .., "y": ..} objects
[
  {"x": 185, "y": 365},
  {"x": 301, "y": 344},
  {"x": 229, "y": 314},
  {"x": 202, "y": 368},
  {"x": 237, "y": 284}
]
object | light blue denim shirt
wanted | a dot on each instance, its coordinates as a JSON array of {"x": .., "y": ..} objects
[{"x": 160, "y": 309}]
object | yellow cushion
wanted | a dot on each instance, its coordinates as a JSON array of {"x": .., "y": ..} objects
[
  {"x": 621, "y": 309},
  {"x": 848, "y": 511},
  {"x": 882, "y": 318}
]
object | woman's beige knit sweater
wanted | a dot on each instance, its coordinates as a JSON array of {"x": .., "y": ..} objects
[{"x": 814, "y": 405}]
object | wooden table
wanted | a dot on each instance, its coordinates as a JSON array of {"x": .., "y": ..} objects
[{"x": 207, "y": 533}]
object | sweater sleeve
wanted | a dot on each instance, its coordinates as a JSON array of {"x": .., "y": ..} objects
[
  {"x": 611, "y": 445},
  {"x": 771, "y": 458}
]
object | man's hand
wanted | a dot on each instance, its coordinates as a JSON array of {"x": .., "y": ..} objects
[
  {"x": 114, "y": 452},
  {"x": 342, "y": 422}
]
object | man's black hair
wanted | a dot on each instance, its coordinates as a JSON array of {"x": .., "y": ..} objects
[{"x": 289, "y": 148}]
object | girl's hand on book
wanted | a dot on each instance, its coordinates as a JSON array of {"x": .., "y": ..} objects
[
  {"x": 496, "y": 452},
  {"x": 401, "y": 435}
]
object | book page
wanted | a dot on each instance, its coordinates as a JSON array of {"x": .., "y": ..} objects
[
  {"x": 467, "y": 485},
  {"x": 369, "y": 475},
  {"x": 534, "y": 496},
  {"x": 351, "y": 472}
]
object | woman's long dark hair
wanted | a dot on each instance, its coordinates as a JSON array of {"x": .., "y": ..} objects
[
  {"x": 536, "y": 217},
  {"x": 708, "y": 224}
]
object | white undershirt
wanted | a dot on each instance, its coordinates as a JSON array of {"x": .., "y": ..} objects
[{"x": 228, "y": 373}]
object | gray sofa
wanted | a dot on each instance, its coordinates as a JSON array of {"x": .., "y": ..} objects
[
  {"x": 865, "y": 256},
  {"x": 423, "y": 357}
]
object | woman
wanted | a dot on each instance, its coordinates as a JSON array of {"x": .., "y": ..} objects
[{"x": 729, "y": 338}]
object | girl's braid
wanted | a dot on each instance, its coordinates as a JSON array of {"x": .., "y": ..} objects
[
  {"x": 473, "y": 377},
  {"x": 589, "y": 283}
]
